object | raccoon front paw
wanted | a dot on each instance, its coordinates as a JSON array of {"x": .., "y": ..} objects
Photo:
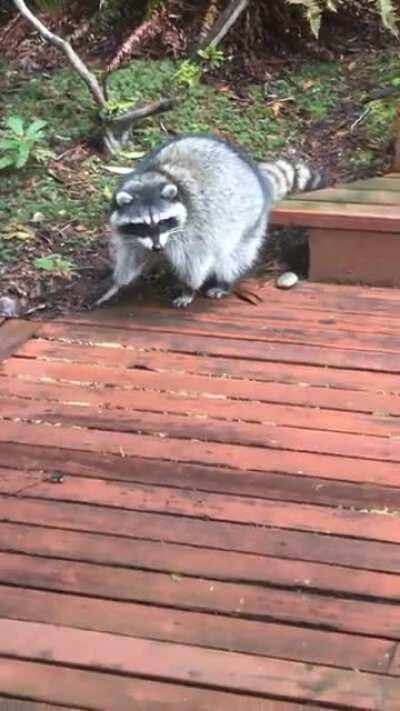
[
  {"x": 183, "y": 300},
  {"x": 217, "y": 292}
]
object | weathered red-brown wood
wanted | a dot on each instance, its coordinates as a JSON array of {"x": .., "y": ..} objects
[
  {"x": 242, "y": 673},
  {"x": 306, "y": 213},
  {"x": 42, "y": 462},
  {"x": 259, "y": 331},
  {"x": 312, "y": 300},
  {"x": 283, "y": 449},
  {"x": 353, "y": 231},
  {"x": 241, "y": 371},
  {"x": 216, "y": 535},
  {"x": 384, "y": 182},
  {"x": 251, "y": 350},
  {"x": 347, "y": 439},
  {"x": 355, "y": 257},
  {"x": 350, "y": 195},
  {"x": 256, "y": 330},
  {"x": 13, "y": 334},
  {"x": 220, "y": 398},
  {"x": 206, "y": 501},
  {"x": 191, "y": 561},
  {"x": 121, "y": 693},
  {"x": 217, "y": 507},
  {"x": 13, "y": 704},
  {"x": 197, "y": 628}
]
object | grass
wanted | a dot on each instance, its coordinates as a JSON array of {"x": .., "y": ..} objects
[{"x": 74, "y": 190}]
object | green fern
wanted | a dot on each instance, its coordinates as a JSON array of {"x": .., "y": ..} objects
[
  {"x": 388, "y": 15},
  {"x": 315, "y": 9}
]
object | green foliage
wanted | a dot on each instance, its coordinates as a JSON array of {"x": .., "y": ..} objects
[
  {"x": 315, "y": 9},
  {"x": 49, "y": 5},
  {"x": 119, "y": 106},
  {"x": 20, "y": 142},
  {"x": 381, "y": 116},
  {"x": 363, "y": 158},
  {"x": 54, "y": 264},
  {"x": 388, "y": 13},
  {"x": 214, "y": 56},
  {"x": 188, "y": 74}
]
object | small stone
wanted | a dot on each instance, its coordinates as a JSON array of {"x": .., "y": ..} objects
[
  {"x": 8, "y": 307},
  {"x": 37, "y": 218},
  {"x": 287, "y": 280}
]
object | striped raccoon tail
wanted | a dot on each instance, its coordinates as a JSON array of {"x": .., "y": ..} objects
[{"x": 285, "y": 177}]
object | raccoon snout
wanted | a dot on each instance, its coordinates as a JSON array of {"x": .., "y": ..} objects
[{"x": 157, "y": 247}]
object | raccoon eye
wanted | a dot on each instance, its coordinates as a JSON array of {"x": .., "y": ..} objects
[
  {"x": 168, "y": 224},
  {"x": 134, "y": 229},
  {"x": 169, "y": 192}
]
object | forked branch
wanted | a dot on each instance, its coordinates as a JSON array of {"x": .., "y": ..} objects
[
  {"x": 73, "y": 58},
  {"x": 116, "y": 129}
]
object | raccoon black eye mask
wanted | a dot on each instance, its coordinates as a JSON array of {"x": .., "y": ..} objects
[
  {"x": 203, "y": 205},
  {"x": 142, "y": 229}
]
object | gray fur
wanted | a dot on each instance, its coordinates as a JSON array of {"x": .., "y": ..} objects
[{"x": 202, "y": 206}]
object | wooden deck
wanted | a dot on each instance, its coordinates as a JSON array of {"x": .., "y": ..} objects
[
  {"x": 353, "y": 229},
  {"x": 199, "y": 511}
]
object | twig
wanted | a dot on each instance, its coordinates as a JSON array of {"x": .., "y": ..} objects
[
  {"x": 73, "y": 58},
  {"x": 222, "y": 26},
  {"x": 361, "y": 117},
  {"x": 141, "y": 111}
]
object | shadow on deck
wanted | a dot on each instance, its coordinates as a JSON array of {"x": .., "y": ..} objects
[{"x": 199, "y": 510}]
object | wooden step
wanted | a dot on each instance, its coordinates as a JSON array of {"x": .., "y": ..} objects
[{"x": 347, "y": 226}]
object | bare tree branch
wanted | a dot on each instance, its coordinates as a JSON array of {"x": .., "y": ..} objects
[
  {"x": 224, "y": 23},
  {"x": 115, "y": 129},
  {"x": 73, "y": 58},
  {"x": 142, "y": 111}
]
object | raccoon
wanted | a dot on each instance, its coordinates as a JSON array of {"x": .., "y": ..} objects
[{"x": 202, "y": 205}]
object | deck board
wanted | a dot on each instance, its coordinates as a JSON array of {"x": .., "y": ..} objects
[
  {"x": 200, "y": 510},
  {"x": 352, "y": 230}
]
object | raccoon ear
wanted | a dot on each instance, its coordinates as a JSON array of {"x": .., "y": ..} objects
[
  {"x": 169, "y": 191},
  {"x": 123, "y": 198}
]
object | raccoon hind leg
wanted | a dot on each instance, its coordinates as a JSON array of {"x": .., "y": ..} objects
[{"x": 192, "y": 273}]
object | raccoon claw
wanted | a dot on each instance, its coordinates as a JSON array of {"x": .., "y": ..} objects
[
  {"x": 183, "y": 300},
  {"x": 216, "y": 292},
  {"x": 112, "y": 291}
]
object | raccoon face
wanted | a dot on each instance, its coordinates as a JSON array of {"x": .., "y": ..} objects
[{"x": 147, "y": 210}]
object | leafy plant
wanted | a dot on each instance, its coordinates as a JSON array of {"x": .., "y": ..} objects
[
  {"x": 315, "y": 9},
  {"x": 188, "y": 74},
  {"x": 214, "y": 56},
  {"x": 54, "y": 264},
  {"x": 116, "y": 106},
  {"x": 18, "y": 142}
]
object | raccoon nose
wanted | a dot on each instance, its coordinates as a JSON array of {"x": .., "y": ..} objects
[{"x": 157, "y": 247}]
